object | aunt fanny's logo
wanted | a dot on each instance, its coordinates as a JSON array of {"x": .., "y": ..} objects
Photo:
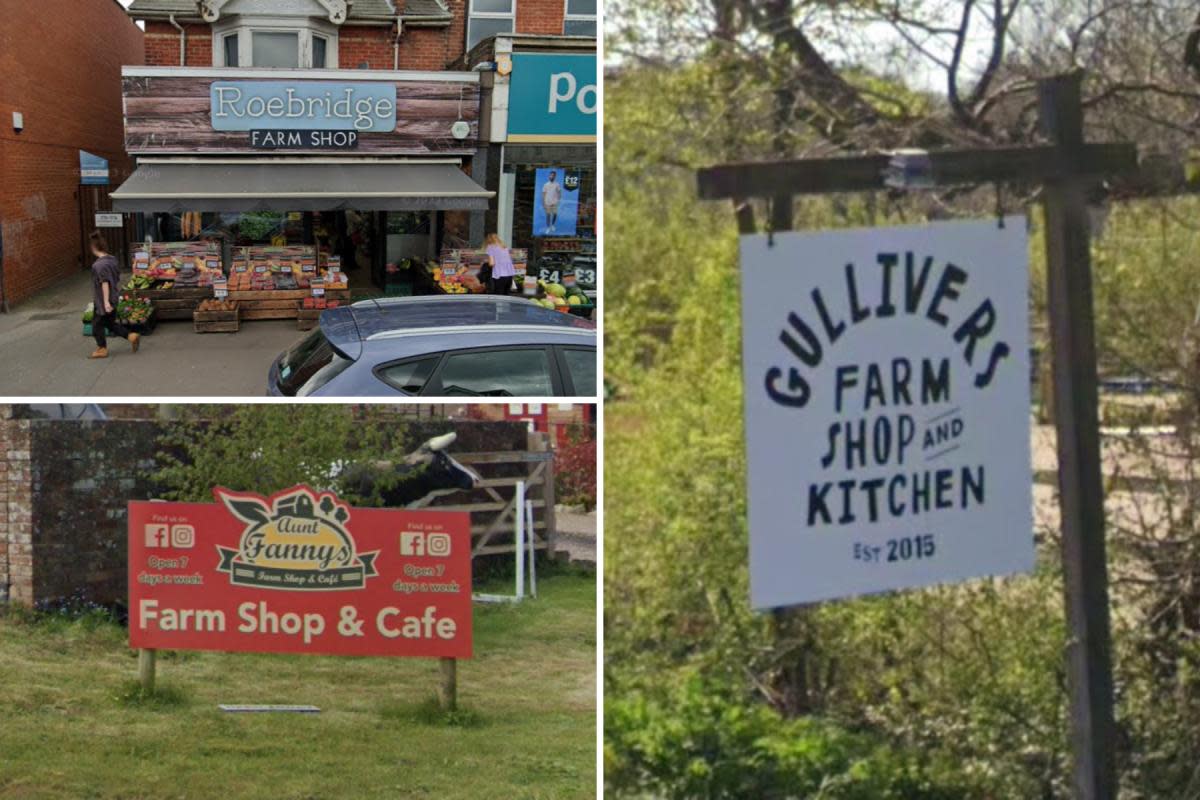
[{"x": 295, "y": 540}]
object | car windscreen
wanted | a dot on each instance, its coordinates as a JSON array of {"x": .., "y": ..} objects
[{"x": 309, "y": 364}]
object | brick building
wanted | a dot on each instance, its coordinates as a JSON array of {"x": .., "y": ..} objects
[
  {"x": 435, "y": 52},
  {"x": 61, "y": 66}
]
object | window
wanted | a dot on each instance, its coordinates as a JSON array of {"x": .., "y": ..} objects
[
  {"x": 581, "y": 365},
  {"x": 489, "y": 17},
  {"x": 231, "y": 50},
  {"x": 276, "y": 50},
  {"x": 308, "y": 365},
  {"x": 497, "y": 373},
  {"x": 408, "y": 376},
  {"x": 318, "y": 51},
  {"x": 280, "y": 42},
  {"x": 580, "y": 19}
]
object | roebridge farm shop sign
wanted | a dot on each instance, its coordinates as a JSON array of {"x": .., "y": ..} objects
[
  {"x": 299, "y": 572},
  {"x": 887, "y": 408},
  {"x": 311, "y": 115}
]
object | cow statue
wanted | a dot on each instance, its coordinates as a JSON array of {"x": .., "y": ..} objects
[{"x": 427, "y": 472}]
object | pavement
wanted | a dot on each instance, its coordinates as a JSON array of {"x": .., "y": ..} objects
[
  {"x": 45, "y": 353},
  {"x": 575, "y": 534}
]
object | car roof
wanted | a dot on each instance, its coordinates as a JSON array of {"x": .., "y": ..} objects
[{"x": 347, "y": 327}]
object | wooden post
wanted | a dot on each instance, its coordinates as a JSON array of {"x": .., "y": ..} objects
[
  {"x": 146, "y": 659},
  {"x": 1089, "y": 656},
  {"x": 540, "y": 443},
  {"x": 448, "y": 691}
]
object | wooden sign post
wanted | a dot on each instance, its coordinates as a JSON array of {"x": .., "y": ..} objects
[{"x": 1064, "y": 167}]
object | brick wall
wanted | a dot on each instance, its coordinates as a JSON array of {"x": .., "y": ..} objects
[
  {"x": 16, "y": 523},
  {"x": 361, "y": 44},
  {"x": 162, "y": 44},
  {"x": 64, "y": 486},
  {"x": 66, "y": 80},
  {"x": 540, "y": 16}
]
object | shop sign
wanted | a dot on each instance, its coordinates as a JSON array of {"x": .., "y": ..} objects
[
  {"x": 299, "y": 572},
  {"x": 279, "y": 139},
  {"x": 93, "y": 170},
  {"x": 552, "y": 97},
  {"x": 302, "y": 106},
  {"x": 886, "y": 408},
  {"x": 104, "y": 220}
]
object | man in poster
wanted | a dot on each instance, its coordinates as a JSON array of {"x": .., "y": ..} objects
[
  {"x": 556, "y": 202},
  {"x": 551, "y": 197}
]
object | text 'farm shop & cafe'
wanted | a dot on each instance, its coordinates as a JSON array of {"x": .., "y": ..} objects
[{"x": 357, "y": 179}]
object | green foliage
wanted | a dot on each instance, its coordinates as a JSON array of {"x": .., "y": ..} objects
[
  {"x": 704, "y": 740},
  {"x": 970, "y": 676},
  {"x": 266, "y": 448}
]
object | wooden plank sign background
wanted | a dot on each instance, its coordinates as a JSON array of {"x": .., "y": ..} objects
[{"x": 173, "y": 115}]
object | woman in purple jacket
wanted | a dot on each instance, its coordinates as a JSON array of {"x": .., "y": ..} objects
[
  {"x": 106, "y": 283},
  {"x": 501, "y": 263}
]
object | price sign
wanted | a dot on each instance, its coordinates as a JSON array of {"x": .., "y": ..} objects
[
  {"x": 220, "y": 292},
  {"x": 260, "y": 269},
  {"x": 239, "y": 268},
  {"x": 586, "y": 277},
  {"x": 548, "y": 275},
  {"x": 568, "y": 279},
  {"x": 529, "y": 287}
]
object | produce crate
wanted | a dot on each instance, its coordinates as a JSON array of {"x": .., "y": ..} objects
[
  {"x": 582, "y": 310},
  {"x": 307, "y": 318},
  {"x": 277, "y": 303},
  {"x": 216, "y": 321},
  {"x": 176, "y": 302}
]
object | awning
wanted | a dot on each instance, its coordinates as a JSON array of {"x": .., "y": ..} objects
[{"x": 178, "y": 186}]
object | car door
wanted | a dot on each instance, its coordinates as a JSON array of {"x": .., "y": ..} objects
[
  {"x": 577, "y": 366},
  {"x": 505, "y": 371}
]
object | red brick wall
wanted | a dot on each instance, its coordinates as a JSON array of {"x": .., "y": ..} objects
[
  {"x": 66, "y": 80},
  {"x": 540, "y": 16},
  {"x": 361, "y": 44},
  {"x": 162, "y": 44}
]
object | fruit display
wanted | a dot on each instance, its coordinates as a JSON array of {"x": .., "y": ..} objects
[
  {"x": 458, "y": 271},
  {"x": 188, "y": 264},
  {"x": 285, "y": 268},
  {"x": 217, "y": 305},
  {"x": 557, "y": 297}
]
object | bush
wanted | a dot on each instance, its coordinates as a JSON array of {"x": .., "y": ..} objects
[{"x": 705, "y": 741}]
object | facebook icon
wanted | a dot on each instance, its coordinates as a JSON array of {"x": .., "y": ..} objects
[{"x": 156, "y": 535}]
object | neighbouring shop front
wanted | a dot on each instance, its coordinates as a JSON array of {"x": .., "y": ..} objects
[
  {"x": 538, "y": 129},
  {"x": 282, "y": 192}
]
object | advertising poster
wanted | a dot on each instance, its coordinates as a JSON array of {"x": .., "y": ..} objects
[
  {"x": 299, "y": 572},
  {"x": 886, "y": 376},
  {"x": 555, "y": 202}
]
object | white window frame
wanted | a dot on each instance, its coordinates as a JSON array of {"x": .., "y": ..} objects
[
  {"x": 569, "y": 17},
  {"x": 304, "y": 28},
  {"x": 472, "y": 15}
]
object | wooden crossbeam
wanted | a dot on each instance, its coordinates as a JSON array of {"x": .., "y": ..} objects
[{"x": 951, "y": 167}]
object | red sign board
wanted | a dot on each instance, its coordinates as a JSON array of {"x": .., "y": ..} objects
[{"x": 299, "y": 572}]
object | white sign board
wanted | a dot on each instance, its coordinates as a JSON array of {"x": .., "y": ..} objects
[
  {"x": 104, "y": 220},
  {"x": 887, "y": 408}
]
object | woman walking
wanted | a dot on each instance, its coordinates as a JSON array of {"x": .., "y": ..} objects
[
  {"x": 501, "y": 263},
  {"x": 106, "y": 281}
]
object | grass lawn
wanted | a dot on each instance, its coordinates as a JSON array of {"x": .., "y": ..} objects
[{"x": 74, "y": 725}]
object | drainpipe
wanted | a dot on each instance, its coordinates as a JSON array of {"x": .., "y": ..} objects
[
  {"x": 182, "y": 40},
  {"x": 396, "y": 43}
]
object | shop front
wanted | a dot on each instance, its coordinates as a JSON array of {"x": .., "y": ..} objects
[
  {"x": 538, "y": 129},
  {"x": 281, "y": 192}
]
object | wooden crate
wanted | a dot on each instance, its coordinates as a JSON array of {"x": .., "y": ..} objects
[
  {"x": 216, "y": 321},
  {"x": 175, "y": 303},
  {"x": 308, "y": 318},
  {"x": 279, "y": 303}
]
